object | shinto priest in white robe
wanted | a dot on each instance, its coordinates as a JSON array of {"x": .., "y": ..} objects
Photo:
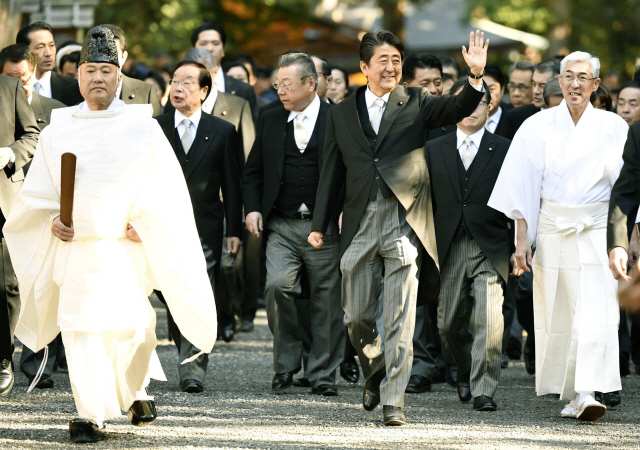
[
  {"x": 558, "y": 177},
  {"x": 94, "y": 289}
]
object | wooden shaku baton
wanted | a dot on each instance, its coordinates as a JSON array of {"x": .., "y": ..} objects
[{"x": 67, "y": 183}]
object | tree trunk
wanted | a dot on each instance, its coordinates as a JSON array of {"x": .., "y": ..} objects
[
  {"x": 392, "y": 17},
  {"x": 560, "y": 32}
]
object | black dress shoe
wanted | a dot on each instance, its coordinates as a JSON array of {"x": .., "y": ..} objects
[
  {"x": 484, "y": 403},
  {"x": 282, "y": 381},
  {"x": 46, "y": 382},
  {"x": 371, "y": 393},
  {"x": 349, "y": 371},
  {"x": 464, "y": 391},
  {"x": 611, "y": 399},
  {"x": 301, "y": 382},
  {"x": 228, "y": 333},
  {"x": 418, "y": 384},
  {"x": 327, "y": 390},
  {"x": 393, "y": 416},
  {"x": 6, "y": 377},
  {"x": 82, "y": 431},
  {"x": 529, "y": 354},
  {"x": 247, "y": 326},
  {"x": 504, "y": 363},
  {"x": 451, "y": 375},
  {"x": 191, "y": 386},
  {"x": 142, "y": 413}
]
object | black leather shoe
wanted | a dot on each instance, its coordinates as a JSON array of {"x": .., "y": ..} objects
[
  {"x": 611, "y": 399},
  {"x": 191, "y": 386},
  {"x": 418, "y": 384},
  {"x": 451, "y": 375},
  {"x": 349, "y": 371},
  {"x": 282, "y": 381},
  {"x": 504, "y": 363},
  {"x": 393, "y": 416},
  {"x": 142, "y": 413},
  {"x": 371, "y": 393},
  {"x": 247, "y": 326},
  {"x": 46, "y": 382},
  {"x": 228, "y": 332},
  {"x": 327, "y": 390},
  {"x": 529, "y": 354},
  {"x": 301, "y": 382},
  {"x": 484, "y": 403},
  {"x": 464, "y": 391},
  {"x": 6, "y": 377},
  {"x": 82, "y": 431}
]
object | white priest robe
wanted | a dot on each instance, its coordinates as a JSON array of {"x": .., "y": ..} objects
[
  {"x": 558, "y": 177},
  {"x": 94, "y": 289}
]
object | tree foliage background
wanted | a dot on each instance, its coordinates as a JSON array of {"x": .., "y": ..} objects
[{"x": 605, "y": 28}]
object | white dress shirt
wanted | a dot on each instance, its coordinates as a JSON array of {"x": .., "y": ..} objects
[
  {"x": 492, "y": 121},
  {"x": 195, "y": 120},
  {"x": 310, "y": 118},
  {"x": 210, "y": 102},
  {"x": 476, "y": 138},
  {"x": 218, "y": 81},
  {"x": 45, "y": 85}
]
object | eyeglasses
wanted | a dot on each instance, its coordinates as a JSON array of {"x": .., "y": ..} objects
[
  {"x": 482, "y": 104},
  {"x": 185, "y": 84},
  {"x": 581, "y": 80},
  {"x": 521, "y": 87},
  {"x": 287, "y": 87}
]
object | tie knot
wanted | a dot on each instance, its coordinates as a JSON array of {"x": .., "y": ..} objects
[
  {"x": 468, "y": 140},
  {"x": 186, "y": 123},
  {"x": 379, "y": 103},
  {"x": 300, "y": 116}
]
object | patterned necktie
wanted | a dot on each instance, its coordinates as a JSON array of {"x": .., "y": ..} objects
[
  {"x": 36, "y": 87},
  {"x": 300, "y": 133},
  {"x": 187, "y": 136},
  {"x": 377, "y": 114},
  {"x": 467, "y": 153}
]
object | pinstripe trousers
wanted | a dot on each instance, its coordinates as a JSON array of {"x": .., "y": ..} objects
[
  {"x": 384, "y": 240},
  {"x": 478, "y": 358}
]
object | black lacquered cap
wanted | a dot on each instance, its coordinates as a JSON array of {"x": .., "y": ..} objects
[{"x": 99, "y": 46}]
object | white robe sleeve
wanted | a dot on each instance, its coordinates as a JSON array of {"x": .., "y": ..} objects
[
  {"x": 163, "y": 218},
  {"x": 517, "y": 191},
  {"x": 32, "y": 247}
]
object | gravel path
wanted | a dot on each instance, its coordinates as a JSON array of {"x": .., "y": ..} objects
[{"x": 238, "y": 411}]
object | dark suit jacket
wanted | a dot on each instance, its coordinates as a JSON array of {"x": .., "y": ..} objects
[
  {"x": 59, "y": 83},
  {"x": 398, "y": 158},
  {"x": 263, "y": 172},
  {"x": 42, "y": 107},
  {"x": 236, "y": 111},
  {"x": 212, "y": 165},
  {"x": 625, "y": 196},
  {"x": 514, "y": 118},
  {"x": 133, "y": 92},
  {"x": 491, "y": 229},
  {"x": 18, "y": 130}
]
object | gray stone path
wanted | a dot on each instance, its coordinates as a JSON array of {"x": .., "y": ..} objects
[{"x": 238, "y": 411}]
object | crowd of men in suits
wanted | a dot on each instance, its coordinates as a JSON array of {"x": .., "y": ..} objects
[{"x": 408, "y": 268}]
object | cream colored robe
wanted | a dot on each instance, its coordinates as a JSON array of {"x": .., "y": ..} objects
[
  {"x": 126, "y": 173},
  {"x": 558, "y": 177}
]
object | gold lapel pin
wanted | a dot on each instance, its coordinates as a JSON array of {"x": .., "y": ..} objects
[
  {"x": 206, "y": 138},
  {"x": 224, "y": 113},
  {"x": 132, "y": 96},
  {"x": 400, "y": 103},
  {"x": 490, "y": 148}
]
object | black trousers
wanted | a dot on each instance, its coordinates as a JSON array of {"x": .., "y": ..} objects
[{"x": 9, "y": 304}]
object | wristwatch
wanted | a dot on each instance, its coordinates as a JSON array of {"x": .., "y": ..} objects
[{"x": 476, "y": 77}]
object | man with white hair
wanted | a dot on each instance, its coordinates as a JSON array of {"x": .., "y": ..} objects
[{"x": 556, "y": 183}]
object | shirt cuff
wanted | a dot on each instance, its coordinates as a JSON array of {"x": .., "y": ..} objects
[{"x": 477, "y": 88}]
